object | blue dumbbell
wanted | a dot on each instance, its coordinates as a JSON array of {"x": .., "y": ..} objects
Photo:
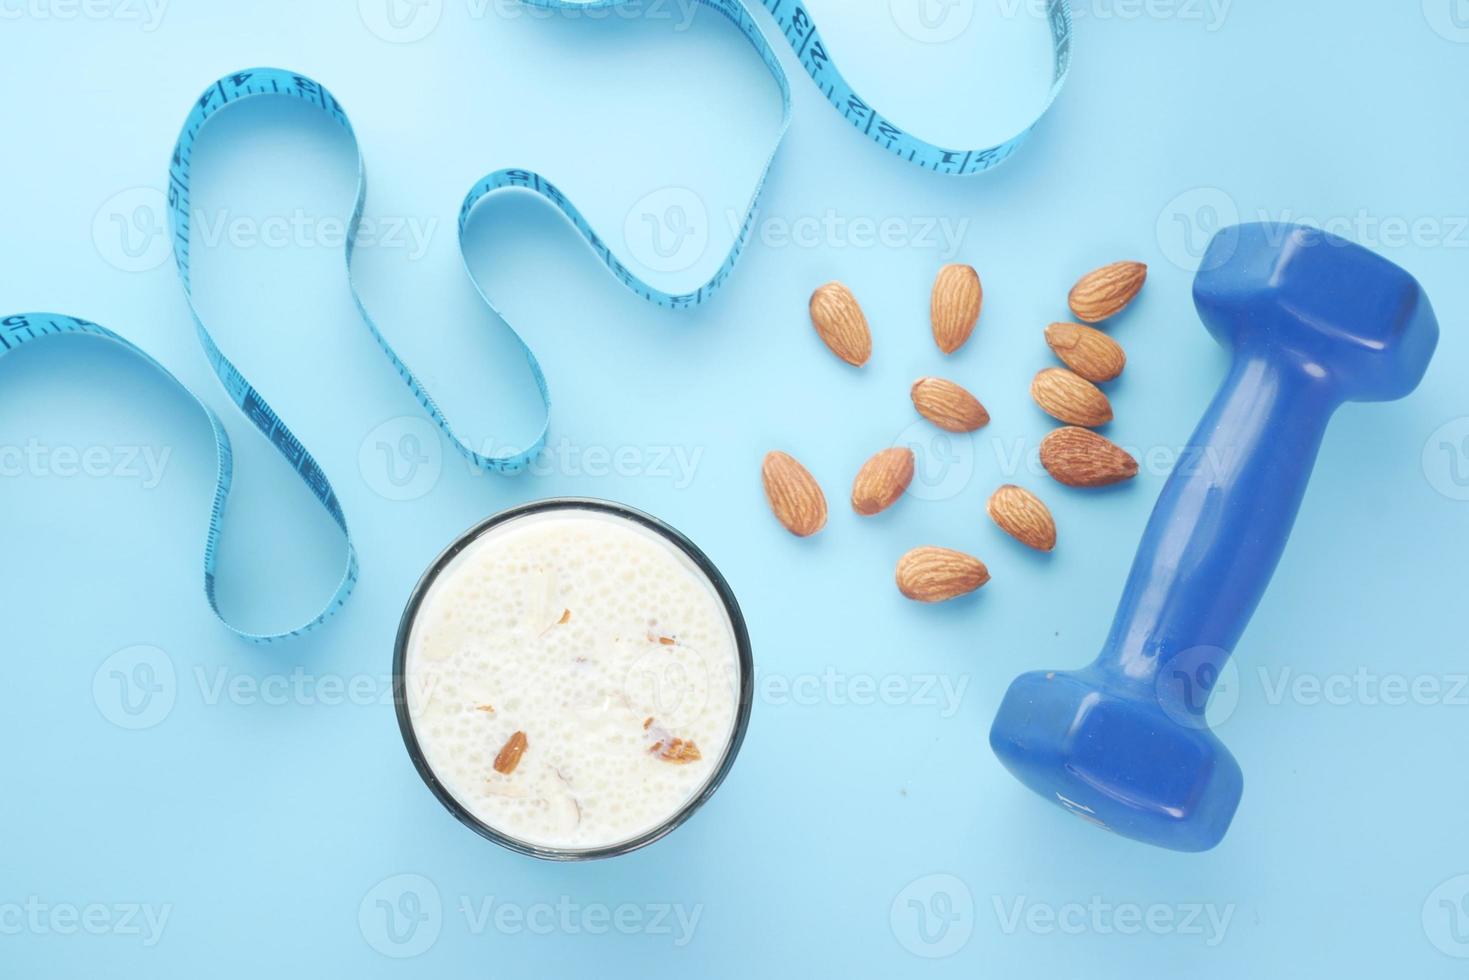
[{"x": 1313, "y": 321}]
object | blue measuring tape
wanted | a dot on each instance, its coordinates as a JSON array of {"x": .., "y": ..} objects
[{"x": 799, "y": 31}]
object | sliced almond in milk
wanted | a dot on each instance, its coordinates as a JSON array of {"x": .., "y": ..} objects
[
  {"x": 541, "y": 609},
  {"x": 511, "y": 753},
  {"x": 563, "y": 812},
  {"x": 500, "y": 786},
  {"x": 680, "y": 751}
]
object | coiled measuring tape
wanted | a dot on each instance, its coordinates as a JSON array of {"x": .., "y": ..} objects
[{"x": 799, "y": 31}]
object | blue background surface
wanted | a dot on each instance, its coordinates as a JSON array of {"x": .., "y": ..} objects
[{"x": 260, "y": 798}]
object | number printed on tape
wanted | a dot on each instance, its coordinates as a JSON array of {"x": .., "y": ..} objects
[{"x": 799, "y": 31}]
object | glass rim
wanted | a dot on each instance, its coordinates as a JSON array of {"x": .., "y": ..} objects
[{"x": 721, "y": 589}]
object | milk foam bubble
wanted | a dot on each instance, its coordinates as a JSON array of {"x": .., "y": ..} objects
[{"x": 602, "y": 642}]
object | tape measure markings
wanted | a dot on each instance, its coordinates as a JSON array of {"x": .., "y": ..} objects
[{"x": 800, "y": 33}]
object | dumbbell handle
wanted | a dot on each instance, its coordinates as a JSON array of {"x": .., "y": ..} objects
[{"x": 1221, "y": 523}]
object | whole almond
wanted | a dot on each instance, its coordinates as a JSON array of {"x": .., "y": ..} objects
[
  {"x": 839, "y": 320},
  {"x": 948, "y": 406},
  {"x": 882, "y": 480},
  {"x": 794, "y": 494},
  {"x": 957, "y": 298},
  {"x": 931, "y": 574},
  {"x": 1087, "y": 351},
  {"x": 1081, "y": 458},
  {"x": 1107, "y": 291},
  {"x": 1070, "y": 398},
  {"x": 1020, "y": 514}
]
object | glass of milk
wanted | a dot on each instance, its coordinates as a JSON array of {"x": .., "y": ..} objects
[{"x": 573, "y": 679}]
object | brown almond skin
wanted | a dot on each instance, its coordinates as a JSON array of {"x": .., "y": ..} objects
[
  {"x": 1081, "y": 458},
  {"x": 795, "y": 496},
  {"x": 1020, "y": 514},
  {"x": 841, "y": 324},
  {"x": 882, "y": 480},
  {"x": 679, "y": 751},
  {"x": 957, "y": 300},
  {"x": 1070, "y": 398},
  {"x": 948, "y": 405},
  {"x": 1105, "y": 292},
  {"x": 930, "y": 574},
  {"x": 1087, "y": 351},
  {"x": 509, "y": 756}
]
